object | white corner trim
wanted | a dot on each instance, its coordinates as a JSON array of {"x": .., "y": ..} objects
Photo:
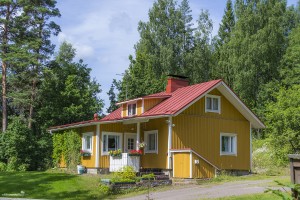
[
  {"x": 146, "y": 141},
  {"x": 170, "y": 130},
  {"x": 191, "y": 164},
  {"x": 97, "y": 145},
  {"x": 250, "y": 148}
]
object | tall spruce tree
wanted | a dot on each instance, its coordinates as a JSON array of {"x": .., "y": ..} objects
[
  {"x": 222, "y": 68},
  {"x": 112, "y": 97}
]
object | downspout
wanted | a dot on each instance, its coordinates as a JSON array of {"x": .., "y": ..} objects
[
  {"x": 97, "y": 145},
  {"x": 170, "y": 126}
]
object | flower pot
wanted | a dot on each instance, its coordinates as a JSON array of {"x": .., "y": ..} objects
[{"x": 80, "y": 169}]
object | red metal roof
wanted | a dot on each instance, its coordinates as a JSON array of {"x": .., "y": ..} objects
[
  {"x": 173, "y": 103},
  {"x": 176, "y": 101}
]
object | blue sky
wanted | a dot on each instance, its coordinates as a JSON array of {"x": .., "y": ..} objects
[{"x": 105, "y": 31}]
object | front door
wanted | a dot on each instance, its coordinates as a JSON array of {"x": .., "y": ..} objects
[{"x": 129, "y": 142}]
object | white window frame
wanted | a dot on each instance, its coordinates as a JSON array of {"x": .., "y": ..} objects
[
  {"x": 83, "y": 146},
  {"x": 126, "y": 141},
  {"x": 234, "y": 152},
  {"x": 135, "y": 108},
  {"x": 104, "y": 153},
  {"x": 213, "y": 97},
  {"x": 146, "y": 133}
]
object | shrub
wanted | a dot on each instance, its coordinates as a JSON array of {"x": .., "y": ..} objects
[
  {"x": 104, "y": 189},
  {"x": 2, "y": 167},
  {"x": 126, "y": 174}
]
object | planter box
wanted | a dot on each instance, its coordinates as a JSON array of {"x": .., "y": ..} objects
[
  {"x": 117, "y": 163},
  {"x": 86, "y": 154},
  {"x": 134, "y": 154}
]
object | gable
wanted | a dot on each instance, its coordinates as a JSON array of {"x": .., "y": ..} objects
[{"x": 228, "y": 111}]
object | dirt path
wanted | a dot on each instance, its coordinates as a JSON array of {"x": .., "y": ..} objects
[{"x": 214, "y": 191}]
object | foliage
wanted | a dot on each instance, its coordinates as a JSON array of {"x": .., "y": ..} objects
[
  {"x": 148, "y": 176},
  {"x": 67, "y": 146},
  {"x": 115, "y": 153},
  {"x": 112, "y": 97},
  {"x": 104, "y": 189},
  {"x": 2, "y": 166},
  {"x": 67, "y": 92},
  {"x": 283, "y": 193},
  {"x": 126, "y": 174},
  {"x": 18, "y": 146},
  {"x": 283, "y": 118}
]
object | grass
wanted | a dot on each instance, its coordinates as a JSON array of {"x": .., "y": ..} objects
[
  {"x": 48, "y": 185},
  {"x": 263, "y": 196},
  {"x": 223, "y": 178}
]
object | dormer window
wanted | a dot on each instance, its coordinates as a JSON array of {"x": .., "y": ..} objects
[
  {"x": 212, "y": 103},
  {"x": 131, "y": 109}
]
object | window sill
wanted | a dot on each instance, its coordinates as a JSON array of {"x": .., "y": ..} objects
[
  {"x": 213, "y": 111},
  {"x": 228, "y": 154},
  {"x": 151, "y": 152}
]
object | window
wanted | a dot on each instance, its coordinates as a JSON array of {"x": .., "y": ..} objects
[
  {"x": 228, "y": 144},
  {"x": 212, "y": 103},
  {"x": 151, "y": 140},
  {"x": 131, "y": 109},
  {"x": 110, "y": 142},
  {"x": 87, "y": 142}
]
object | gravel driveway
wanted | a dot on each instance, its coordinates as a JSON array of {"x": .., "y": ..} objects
[{"x": 215, "y": 191}]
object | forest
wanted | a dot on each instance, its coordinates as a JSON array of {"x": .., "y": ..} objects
[{"x": 256, "y": 52}]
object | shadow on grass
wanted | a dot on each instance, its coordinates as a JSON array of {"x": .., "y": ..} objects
[{"x": 48, "y": 185}]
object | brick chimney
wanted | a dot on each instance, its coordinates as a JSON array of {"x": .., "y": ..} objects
[{"x": 175, "y": 82}]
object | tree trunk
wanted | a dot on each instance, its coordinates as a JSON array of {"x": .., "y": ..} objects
[{"x": 4, "y": 102}]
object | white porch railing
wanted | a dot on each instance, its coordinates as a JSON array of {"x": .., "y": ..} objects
[{"x": 116, "y": 163}]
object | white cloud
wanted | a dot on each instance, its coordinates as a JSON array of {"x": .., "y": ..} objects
[{"x": 104, "y": 33}]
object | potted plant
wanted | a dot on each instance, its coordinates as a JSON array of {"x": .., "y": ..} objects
[
  {"x": 135, "y": 153},
  {"x": 141, "y": 145},
  {"x": 115, "y": 153},
  {"x": 85, "y": 153}
]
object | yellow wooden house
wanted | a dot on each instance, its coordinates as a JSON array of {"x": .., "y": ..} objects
[{"x": 190, "y": 131}]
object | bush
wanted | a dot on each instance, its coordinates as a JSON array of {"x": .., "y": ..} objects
[
  {"x": 105, "y": 189},
  {"x": 126, "y": 174},
  {"x": 2, "y": 167}
]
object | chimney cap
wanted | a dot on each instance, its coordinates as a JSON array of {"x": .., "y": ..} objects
[{"x": 177, "y": 76}]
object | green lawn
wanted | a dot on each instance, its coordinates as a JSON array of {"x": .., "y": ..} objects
[
  {"x": 264, "y": 196},
  {"x": 47, "y": 185}
]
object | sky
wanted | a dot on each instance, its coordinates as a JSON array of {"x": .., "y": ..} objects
[{"x": 104, "y": 32}]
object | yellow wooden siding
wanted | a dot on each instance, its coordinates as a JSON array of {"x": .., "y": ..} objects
[
  {"x": 113, "y": 127},
  {"x": 203, "y": 169},
  {"x": 89, "y": 161},
  {"x": 150, "y": 103},
  {"x": 182, "y": 165},
  {"x": 153, "y": 160},
  {"x": 124, "y": 110},
  {"x": 139, "y": 105},
  {"x": 201, "y": 131}
]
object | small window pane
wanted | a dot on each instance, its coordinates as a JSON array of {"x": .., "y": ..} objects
[
  {"x": 232, "y": 144},
  {"x": 208, "y": 103},
  {"x": 112, "y": 142},
  {"x": 215, "y": 104},
  {"x": 133, "y": 107},
  {"x": 104, "y": 142},
  {"x": 225, "y": 143},
  {"x": 88, "y": 141},
  {"x": 130, "y": 144},
  {"x": 151, "y": 142}
]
